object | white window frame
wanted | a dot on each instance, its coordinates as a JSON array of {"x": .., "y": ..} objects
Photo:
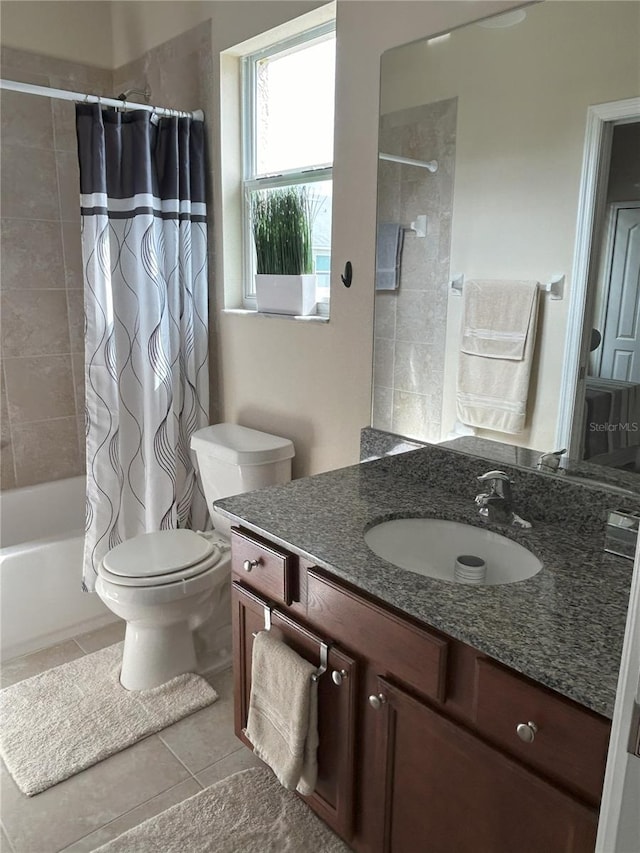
[{"x": 251, "y": 179}]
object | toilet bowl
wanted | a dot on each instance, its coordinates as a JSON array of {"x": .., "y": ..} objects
[{"x": 165, "y": 584}]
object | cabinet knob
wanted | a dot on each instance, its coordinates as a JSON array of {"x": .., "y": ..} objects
[
  {"x": 338, "y": 676},
  {"x": 526, "y": 731},
  {"x": 249, "y": 565},
  {"x": 378, "y": 701}
]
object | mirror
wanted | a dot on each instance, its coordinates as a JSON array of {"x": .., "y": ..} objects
[{"x": 481, "y": 176}]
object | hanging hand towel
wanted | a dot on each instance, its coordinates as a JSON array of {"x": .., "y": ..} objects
[
  {"x": 390, "y": 240},
  {"x": 282, "y": 723},
  {"x": 496, "y": 354},
  {"x": 497, "y": 317}
]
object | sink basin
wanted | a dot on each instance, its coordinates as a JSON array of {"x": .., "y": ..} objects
[{"x": 430, "y": 546}]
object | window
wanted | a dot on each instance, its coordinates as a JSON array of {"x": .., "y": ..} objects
[{"x": 288, "y": 105}]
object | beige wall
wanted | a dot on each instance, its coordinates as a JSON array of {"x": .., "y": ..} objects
[
  {"x": 519, "y": 157},
  {"x": 313, "y": 383},
  {"x": 78, "y": 31},
  {"x": 310, "y": 383},
  {"x": 41, "y": 341}
]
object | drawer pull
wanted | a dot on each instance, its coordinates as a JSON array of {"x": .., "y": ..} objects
[
  {"x": 338, "y": 676},
  {"x": 378, "y": 701},
  {"x": 249, "y": 565},
  {"x": 526, "y": 731}
]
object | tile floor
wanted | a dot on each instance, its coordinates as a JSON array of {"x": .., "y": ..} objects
[{"x": 91, "y": 808}]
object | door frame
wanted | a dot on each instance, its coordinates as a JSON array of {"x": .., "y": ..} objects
[
  {"x": 615, "y": 824},
  {"x": 601, "y": 119}
]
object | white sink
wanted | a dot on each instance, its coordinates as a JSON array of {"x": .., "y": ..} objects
[{"x": 430, "y": 546}]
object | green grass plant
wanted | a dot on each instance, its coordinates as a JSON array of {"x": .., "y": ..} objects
[{"x": 281, "y": 223}]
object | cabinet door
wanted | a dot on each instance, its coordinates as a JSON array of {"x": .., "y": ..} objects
[
  {"x": 333, "y": 797},
  {"x": 440, "y": 789}
]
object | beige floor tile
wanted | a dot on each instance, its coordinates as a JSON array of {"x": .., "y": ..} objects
[
  {"x": 206, "y": 736},
  {"x": 28, "y": 665},
  {"x": 241, "y": 759},
  {"x": 5, "y": 844},
  {"x": 69, "y": 811},
  {"x": 93, "y": 641},
  {"x": 136, "y": 816}
]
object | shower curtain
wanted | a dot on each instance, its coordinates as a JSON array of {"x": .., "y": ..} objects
[{"x": 144, "y": 250}]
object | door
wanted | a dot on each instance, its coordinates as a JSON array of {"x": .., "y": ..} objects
[
  {"x": 620, "y": 347},
  {"x": 441, "y": 789},
  {"x": 619, "y": 827},
  {"x": 333, "y": 796}
]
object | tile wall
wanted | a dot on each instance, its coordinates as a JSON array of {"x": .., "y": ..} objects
[
  {"x": 41, "y": 333},
  {"x": 41, "y": 273},
  {"x": 410, "y": 322}
]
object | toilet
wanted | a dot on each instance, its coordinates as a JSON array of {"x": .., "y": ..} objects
[{"x": 164, "y": 584}]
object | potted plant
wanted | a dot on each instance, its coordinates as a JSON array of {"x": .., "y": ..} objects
[{"x": 281, "y": 223}]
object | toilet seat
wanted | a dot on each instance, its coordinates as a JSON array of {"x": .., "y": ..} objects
[{"x": 164, "y": 557}]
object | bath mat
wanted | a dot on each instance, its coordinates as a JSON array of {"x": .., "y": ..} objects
[
  {"x": 70, "y": 717},
  {"x": 249, "y": 812}
]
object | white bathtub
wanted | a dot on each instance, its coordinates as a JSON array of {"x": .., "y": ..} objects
[{"x": 41, "y": 539}]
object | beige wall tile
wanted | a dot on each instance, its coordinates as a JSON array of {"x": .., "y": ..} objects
[
  {"x": 31, "y": 255},
  {"x": 77, "y": 363},
  {"x": 64, "y": 125},
  {"x": 34, "y": 322},
  {"x": 29, "y": 183},
  {"x": 27, "y": 121},
  {"x": 72, "y": 245},
  {"x": 75, "y": 307},
  {"x": 7, "y": 467},
  {"x": 21, "y": 75},
  {"x": 68, "y": 185},
  {"x": 45, "y": 451},
  {"x": 39, "y": 388}
]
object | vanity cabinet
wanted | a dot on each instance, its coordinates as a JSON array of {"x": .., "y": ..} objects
[
  {"x": 425, "y": 743},
  {"x": 334, "y": 793}
]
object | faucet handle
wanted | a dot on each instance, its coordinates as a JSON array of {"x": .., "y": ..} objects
[{"x": 494, "y": 475}]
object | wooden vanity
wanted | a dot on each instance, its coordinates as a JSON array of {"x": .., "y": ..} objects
[{"x": 426, "y": 744}]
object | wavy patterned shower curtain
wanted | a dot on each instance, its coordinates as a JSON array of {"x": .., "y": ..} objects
[{"x": 144, "y": 249}]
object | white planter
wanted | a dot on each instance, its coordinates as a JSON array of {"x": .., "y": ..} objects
[{"x": 286, "y": 294}]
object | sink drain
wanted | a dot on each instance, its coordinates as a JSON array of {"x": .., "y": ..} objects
[{"x": 470, "y": 569}]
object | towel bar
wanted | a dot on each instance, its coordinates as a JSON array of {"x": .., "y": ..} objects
[
  {"x": 324, "y": 647},
  {"x": 555, "y": 286}
]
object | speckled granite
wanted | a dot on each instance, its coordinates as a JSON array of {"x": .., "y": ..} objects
[{"x": 564, "y": 627}]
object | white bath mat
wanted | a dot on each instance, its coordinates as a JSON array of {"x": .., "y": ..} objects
[
  {"x": 249, "y": 812},
  {"x": 68, "y": 718}
]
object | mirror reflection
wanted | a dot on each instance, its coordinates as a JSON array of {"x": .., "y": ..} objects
[{"x": 507, "y": 291}]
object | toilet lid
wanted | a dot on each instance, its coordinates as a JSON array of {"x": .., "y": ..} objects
[{"x": 158, "y": 554}]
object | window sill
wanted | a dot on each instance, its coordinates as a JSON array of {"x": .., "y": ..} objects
[{"x": 307, "y": 318}]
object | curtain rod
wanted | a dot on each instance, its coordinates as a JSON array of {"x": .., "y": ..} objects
[{"x": 64, "y": 95}]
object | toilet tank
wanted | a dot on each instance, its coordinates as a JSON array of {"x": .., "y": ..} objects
[{"x": 233, "y": 459}]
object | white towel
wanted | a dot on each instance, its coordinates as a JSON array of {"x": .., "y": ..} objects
[
  {"x": 496, "y": 354},
  {"x": 282, "y": 723},
  {"x": 497, "y": 317}
]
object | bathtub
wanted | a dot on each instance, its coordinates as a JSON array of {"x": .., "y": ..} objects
[{"x": 41, "y": 539}]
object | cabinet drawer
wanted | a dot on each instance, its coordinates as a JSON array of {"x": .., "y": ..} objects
[
  {"x": 570, "y": 743},
  {"x": 413, "y": 655},
  {"x": 263, "y": 566}
]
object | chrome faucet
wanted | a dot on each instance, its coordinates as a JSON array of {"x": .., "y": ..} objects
[{"x": 496, "y": 504}]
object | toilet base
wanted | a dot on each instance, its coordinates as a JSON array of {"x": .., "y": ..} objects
[{"x": 154, "y": 655}]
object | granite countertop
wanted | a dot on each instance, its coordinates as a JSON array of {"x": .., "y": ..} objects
[{"x": 563, "y": 627}]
